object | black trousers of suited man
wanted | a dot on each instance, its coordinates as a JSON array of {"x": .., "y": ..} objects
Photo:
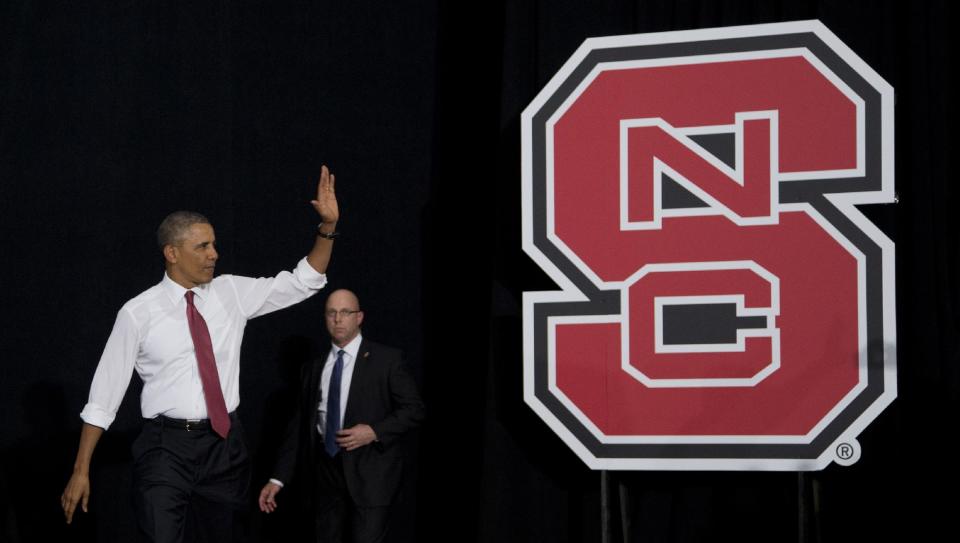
[{"x": 337, "y": 519}]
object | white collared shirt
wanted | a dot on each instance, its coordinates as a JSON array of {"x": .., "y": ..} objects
[
  {"x": 151, "y": 336},
  {"x": 350, "y": 352}
]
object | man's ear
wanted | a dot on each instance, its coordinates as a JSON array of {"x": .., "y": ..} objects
[
  {"x": 359, "y": 318},
  {"x": 170, "y": 254}
]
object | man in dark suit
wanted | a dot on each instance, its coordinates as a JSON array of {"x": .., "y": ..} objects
[{"x": 356, "y": 402}]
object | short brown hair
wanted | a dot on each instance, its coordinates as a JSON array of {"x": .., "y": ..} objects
[{"x": 174, "y": 228}]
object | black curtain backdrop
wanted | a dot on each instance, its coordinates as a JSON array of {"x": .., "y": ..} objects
[{"x": 113, "y": 114}]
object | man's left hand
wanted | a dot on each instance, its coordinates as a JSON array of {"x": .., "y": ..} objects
[
  {"x": 356, "y": 437},
  {"x": 326, "y": 202}
]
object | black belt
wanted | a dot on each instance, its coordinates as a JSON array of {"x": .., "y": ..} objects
[{"x": 190, "y": 425}]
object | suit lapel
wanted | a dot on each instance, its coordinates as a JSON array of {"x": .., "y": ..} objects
[{"x": 357, "y": 383}]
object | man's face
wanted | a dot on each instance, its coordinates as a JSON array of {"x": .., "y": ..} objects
[
  {"x": 192, "y": 262},
  {"x": 343, "y": 317}
]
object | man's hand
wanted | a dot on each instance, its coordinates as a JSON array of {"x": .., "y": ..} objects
[
  {"x": 326, "y": 202},
  {"x": 356, "y": 437},
  {"x": 78, "y": 487},
  {"x": 268, "y": 497},
  {"x": 77, "y": 491}
]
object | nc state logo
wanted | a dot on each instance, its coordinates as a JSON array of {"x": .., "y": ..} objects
[{"x": 724, "y": 305}]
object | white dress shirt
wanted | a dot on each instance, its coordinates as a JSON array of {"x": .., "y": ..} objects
[
  {"x": 151, "y": 336},
  {"x": 350, "y": 351}
]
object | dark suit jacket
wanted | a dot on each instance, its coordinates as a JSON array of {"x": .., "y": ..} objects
[{"x": 383, "y": 395}]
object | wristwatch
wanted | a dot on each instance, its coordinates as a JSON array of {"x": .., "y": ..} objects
[{"x": 322, "y": 234}]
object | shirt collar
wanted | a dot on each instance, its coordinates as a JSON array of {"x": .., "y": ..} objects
[
  {"x": 176, "y": 291},
  {"x": 351, "y": 348}
]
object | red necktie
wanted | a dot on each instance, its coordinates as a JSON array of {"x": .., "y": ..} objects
[{"x": 207, "y": 364}]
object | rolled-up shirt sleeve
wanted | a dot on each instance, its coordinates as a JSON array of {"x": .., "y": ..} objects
[
  {"x": 264, "y": 295},
  {"x": 113, "y": 372}
]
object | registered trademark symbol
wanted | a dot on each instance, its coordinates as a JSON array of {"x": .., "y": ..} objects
[{"x": 846, "y": 452}]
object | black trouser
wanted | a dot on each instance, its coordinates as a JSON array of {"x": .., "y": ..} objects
[
  {"x": 337, "y": 518},
  {"x": 182, "y": 470}
]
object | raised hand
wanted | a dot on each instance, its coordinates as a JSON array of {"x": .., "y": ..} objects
[{"x": 326, "y": 202}]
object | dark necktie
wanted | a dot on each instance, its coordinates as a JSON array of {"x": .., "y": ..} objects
[
  {"x": 207, "y": 365},
  {"x": 333, "y": 408}
]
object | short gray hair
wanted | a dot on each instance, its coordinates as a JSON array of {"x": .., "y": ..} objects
[{"x": 174, "y": 228}]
